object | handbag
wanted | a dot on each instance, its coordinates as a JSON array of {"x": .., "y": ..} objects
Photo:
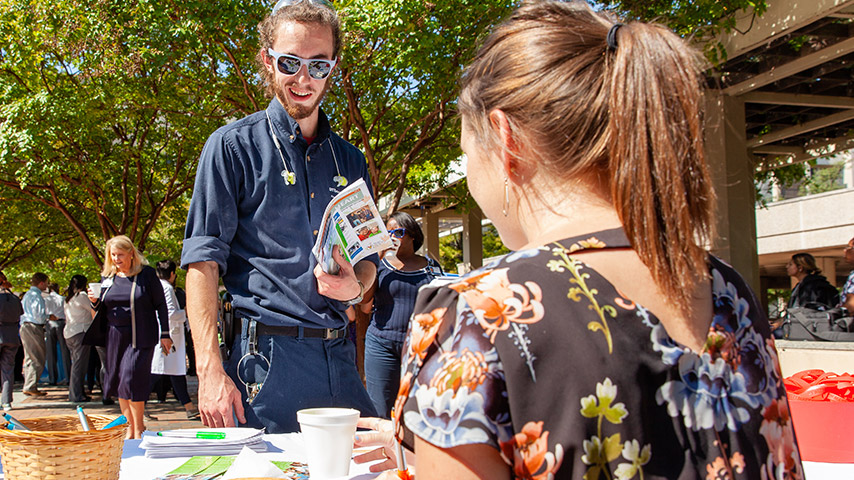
[
  {"x": 817, "y": 325},
  {"x": 96, "y": 334}
]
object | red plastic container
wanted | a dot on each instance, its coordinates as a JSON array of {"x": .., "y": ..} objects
[{"x": 825, "y": 430}]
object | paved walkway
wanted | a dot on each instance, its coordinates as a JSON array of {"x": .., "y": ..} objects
[{"x": 164, "y": 416}]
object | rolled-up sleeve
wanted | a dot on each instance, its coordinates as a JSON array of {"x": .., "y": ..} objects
[{"x": 212, "y": 217}]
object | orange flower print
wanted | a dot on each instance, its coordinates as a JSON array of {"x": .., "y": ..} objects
[
  {"x": 529, "y": 452},
  {"x": 402, "y": 396},
  {"x": 718, "y": 470},
  {"x": 497, "y": 303},
  {"x": 466, "y": 369},
  {"x": 723, "y": 344},
  {"x": 591, "y": 242},
  {"x": 424, "y": 328},
  {"x": 778, "y": 431}
]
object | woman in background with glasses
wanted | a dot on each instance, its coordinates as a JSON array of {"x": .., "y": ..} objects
[{"x": 400, "y": 274}]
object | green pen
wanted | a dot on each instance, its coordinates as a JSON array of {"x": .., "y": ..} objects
[{"x": 200, "y": 435}]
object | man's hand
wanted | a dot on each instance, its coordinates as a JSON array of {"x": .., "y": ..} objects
[
  {"x": 343, "y": 286},
  {"x": 217, "y": 397}
]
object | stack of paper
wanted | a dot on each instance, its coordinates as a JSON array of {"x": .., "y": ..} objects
[{"x": 194, "y": 442}]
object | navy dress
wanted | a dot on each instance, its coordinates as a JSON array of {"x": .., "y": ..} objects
[{"x": 130, "y": 347}]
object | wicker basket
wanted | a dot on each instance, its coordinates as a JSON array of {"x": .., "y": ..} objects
[{"x": 57, "y": 448}]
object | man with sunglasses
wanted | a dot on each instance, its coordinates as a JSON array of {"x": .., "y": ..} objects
[{"x": 262, "y": 185}]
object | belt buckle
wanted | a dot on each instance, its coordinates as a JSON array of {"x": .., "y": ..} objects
[{"x": 329, "y": 334}]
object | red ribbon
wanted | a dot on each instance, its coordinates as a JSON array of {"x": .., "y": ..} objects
[{"x": 820, "y": 386}]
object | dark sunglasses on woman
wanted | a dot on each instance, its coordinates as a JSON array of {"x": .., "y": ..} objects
[{"x": 397, "y": 232}]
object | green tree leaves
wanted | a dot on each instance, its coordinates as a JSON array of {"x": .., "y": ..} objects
[{"x": 105, "y": 106}]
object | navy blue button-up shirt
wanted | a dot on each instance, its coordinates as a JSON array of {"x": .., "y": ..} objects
[{"x": 258, "y": 229}]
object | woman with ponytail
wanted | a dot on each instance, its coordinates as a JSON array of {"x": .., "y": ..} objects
[{"x": 611, "y": 344}]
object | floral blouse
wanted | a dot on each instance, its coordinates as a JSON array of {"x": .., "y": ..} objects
[
  {"x": 542, "y": 358},
  {"x": 847, "y": 289}
]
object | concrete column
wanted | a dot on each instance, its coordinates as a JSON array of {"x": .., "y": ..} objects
[
  {"x": 473, "y": 238},
  {"x": 732, "y": 175},
  {"x": 827, "y": 265},
  {"x": 430, "y": 227}
]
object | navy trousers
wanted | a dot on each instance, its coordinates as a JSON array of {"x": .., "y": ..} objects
[
  {"x": 382, "y": 372},
  {"x": 302, "y": 373}
]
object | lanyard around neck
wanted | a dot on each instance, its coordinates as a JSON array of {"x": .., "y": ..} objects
[{"x": 287, "y": 174}]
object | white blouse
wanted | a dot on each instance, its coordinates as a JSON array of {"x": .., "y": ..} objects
[{"x": 78, "y": 314}]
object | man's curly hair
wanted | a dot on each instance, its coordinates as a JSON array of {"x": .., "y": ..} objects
[{"x": 302, "y": 12}]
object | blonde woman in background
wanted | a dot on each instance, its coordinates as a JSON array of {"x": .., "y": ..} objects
[{"x": 138, "y": 322}]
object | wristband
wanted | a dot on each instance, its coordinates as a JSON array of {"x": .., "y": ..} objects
[{"x": 358, "y": 298}]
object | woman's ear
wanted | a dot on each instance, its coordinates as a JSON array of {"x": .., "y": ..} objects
[{"x": 510, "y": 147}]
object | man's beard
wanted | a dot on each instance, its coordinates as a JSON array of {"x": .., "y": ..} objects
[{"x": 298, "y": 112}]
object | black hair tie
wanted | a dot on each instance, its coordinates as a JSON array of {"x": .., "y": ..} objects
[{"x": 612, "y": 36}]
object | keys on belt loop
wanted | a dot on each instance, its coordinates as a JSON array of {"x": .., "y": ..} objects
[
  {"x": 252, "y": 388},
  {"x": 252, "y": 334}
]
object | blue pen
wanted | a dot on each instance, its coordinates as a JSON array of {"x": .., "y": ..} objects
[
  {"x": 84, "y": 420},
  {"x": 14, "y": 424},
  {"x": 120, "y": 420}
]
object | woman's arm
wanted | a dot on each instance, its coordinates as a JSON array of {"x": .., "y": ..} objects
[
  {"x": 849, "y": 303},
  {"x": 466, "y": 461}
]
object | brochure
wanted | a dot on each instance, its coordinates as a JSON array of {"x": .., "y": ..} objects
[
  {"x": 212, "y": 467},
  {"x": 201, "y": 441},
  {"x": 352, "y": 221}
]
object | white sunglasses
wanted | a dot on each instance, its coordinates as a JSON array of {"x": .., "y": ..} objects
[{"x": 318, "y": 68}]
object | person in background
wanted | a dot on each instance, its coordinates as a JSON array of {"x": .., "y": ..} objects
[
  {"x": 846, "y": 296},
  {"x": 181, "y": 295},
  {"x": 400, "y": 274},
  {"x": 78, "y": 317},
  {"x": 173, "y": 363},
  {"x": 610, "y": 343},
  {"x": 262, "y": 185},
  {"x": 812, "y": 290},
  {"x": 138, "y": 321},
  {"x": 32, "y": 333},
  {"x": 54, "y": 336},
  {"x": 10, "y": 314}
]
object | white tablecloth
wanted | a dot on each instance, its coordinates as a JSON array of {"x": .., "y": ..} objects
[
  {"x": 288, "y": 446},
  {"x": 282, "y": 447}
]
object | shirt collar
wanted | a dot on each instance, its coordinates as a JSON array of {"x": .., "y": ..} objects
[{"x": 288, "y": 127}]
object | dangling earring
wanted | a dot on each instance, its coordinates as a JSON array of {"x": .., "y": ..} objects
[{"x": 506, "y": 196}]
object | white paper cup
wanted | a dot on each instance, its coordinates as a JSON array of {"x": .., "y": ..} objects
[
  {"x": 328, "y": 435},
  {"x": 96, "y": 288}
]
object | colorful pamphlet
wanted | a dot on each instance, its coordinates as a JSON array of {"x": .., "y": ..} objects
[
  {"x": 212, "y": 467},
  {"x": 352, "y": 222}
]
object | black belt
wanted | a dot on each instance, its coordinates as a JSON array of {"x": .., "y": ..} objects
[{"x": 303, "y": 332}]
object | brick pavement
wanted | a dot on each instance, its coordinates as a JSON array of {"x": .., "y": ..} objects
[{"x": 164, "y": 416}]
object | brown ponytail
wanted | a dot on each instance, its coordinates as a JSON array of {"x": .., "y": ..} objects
[
  {"x": 631, "y": 113},
  {"x": 660, "y": 181}
]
